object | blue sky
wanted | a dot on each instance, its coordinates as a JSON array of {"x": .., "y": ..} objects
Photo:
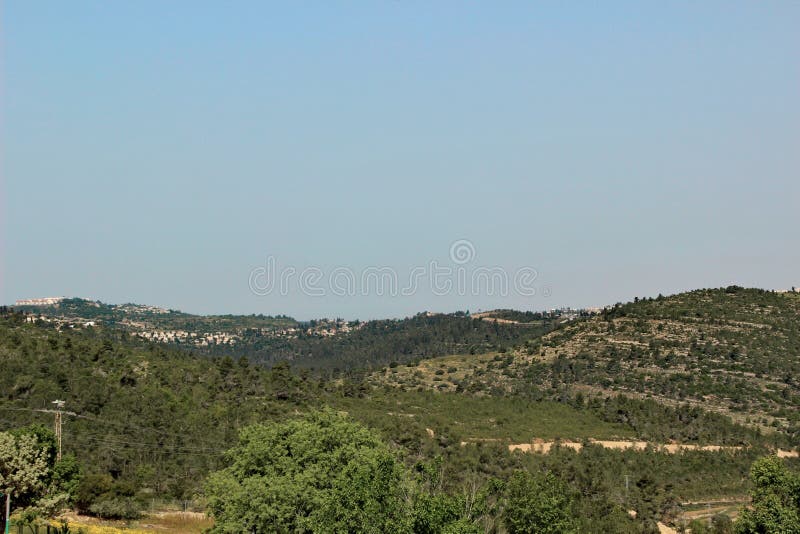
[{"x": 159, "y": 152}]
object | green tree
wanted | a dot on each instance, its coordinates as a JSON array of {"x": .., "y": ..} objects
[
  {"x": 23, "y": 465},
  {"x": 539, "y": 504},
  {"x": 721, "y": 524},
  {"x": 323, "y": 473},
  {"x": 776, "y": 500}
]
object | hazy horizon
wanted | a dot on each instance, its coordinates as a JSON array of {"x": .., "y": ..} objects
[{"x": 164, "y": 154}]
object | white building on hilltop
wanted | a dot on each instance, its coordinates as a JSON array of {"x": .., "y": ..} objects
[{"x": 47, "y": 301}]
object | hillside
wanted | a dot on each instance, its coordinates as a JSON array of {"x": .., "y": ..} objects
[
  {"x": 162, "y": 417},
  {"x": 323, "y": 344},
  {"x": 158, "y": 418},
  {"x": 78, "y": 309},
  {"x": 152, "y": 322},
  {"x": 735, "y": 351}
]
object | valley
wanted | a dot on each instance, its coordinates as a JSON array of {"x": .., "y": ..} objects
[{"x": 639, "y": 406}]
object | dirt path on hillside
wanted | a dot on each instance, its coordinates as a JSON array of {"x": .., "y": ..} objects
[{"x": 544, "y": 447}]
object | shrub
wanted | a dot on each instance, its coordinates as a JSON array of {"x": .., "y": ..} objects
[
  {"x": 100, "y": 495},
  {"x": 117, "y": 508}
]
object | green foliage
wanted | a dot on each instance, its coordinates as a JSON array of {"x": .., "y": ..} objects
[
  {"x": 322, "y": 473},
  {"x": 698, "y": 526},
  {"x": 732, "y": 351},
  {"x": 721, "y": 524},
  {"x": 776, "y": 500},
  {"x": 150, "y": 415},
  {"x": 433, "y": 513},
  {"x": 80, "y": 310},
  {"x": 513, "y": 419},
  {"x": 66, "y": 475},
  {"x": 117, "y": 508},
  {"x": 23, "y": 467},
  {"x": 538, "y": 504},
  {"x": 470, "y": 510},
  {"x": 89, "y": 490},
  {"x": 40, "y": 485},
  {"x": 265, "y": 340},
  {"x": 378, "y": 343},
  {"x": 102, "y": 496},
  {"x": 156, "y": 419}
]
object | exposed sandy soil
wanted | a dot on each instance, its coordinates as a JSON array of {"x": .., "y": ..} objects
[{"x": 544, "y": 447}]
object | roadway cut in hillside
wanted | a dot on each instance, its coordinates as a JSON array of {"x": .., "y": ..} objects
[{"x": 544, "y": 447}]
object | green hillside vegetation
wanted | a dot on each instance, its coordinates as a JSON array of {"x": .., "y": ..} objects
[
  {"x": 82, "y": 310},
  {"x": 460, "y": 418},
  {"x": 734, "y": 351},
  {"x": 151, "y": 420},
  {"x": 383, "y": 342},
  {"x": 160, "y": 417},
  {"x": 322, "y": 345}
]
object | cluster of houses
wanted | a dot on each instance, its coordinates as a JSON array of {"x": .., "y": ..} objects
[
  {"x": 46, "y": 301},
  {"x": 60, "y": 321},
  {"x": 184, "y": 336},
  {"x": 331, "y": 327},
  {"x": 139, "y": 308},
  {"x": 321, "y": 328},
  {"x": 792, "y": 290}
]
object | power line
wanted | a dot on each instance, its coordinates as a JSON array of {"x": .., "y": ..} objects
[
  {"x": 155, "y": 446},
  {"x": 117, "y": 446},
  {"x": 98, "y": 419},
  {"x": 158, "y": 447}
]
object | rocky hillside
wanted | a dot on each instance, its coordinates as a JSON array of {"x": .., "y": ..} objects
[{"x": 731, "y": 350}]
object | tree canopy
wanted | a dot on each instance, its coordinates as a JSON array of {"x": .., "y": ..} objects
[
  {"x": 322, "y": 473},
  {"x": 776, "y": 500},
  {"x": 23, "y": 463},
  {"x": 538, "y": 504}
]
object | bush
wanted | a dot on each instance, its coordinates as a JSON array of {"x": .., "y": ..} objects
[
  {"x": 89, "y": 490},
  {"x": 101, "y": 496},
  {"x": 117, "y": 508},
  {"x": 721, "y": 524},
  {"x": 538, "y": 504}
]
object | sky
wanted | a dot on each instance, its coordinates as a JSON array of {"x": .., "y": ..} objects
[{"x": 349, "y": 159}]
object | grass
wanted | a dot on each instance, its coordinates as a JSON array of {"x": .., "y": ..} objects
[
  {"x": 468, "y": 417},
  {"x": 451, "y": 369},
  {"x": 172, "y": 522},
  {"x": 180, "y": 523}
]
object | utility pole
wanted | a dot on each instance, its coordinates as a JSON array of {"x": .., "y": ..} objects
[
  {"x": 59, "y": 405},
  {"x": 8, "y": 509}
]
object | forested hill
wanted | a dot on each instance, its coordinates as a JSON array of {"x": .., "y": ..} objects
[
  {"x": 735, "y": 349},
  {"x": 732, "y": 350},
  {"x": 151, "y": 419},
  {"x": 324, "y": 344},
  {"x": 138, "y": 317},
  {"x": 375, "y": 344},
  {"x": 160, "y": 415},
  {"x": 153, "y": 415}
]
